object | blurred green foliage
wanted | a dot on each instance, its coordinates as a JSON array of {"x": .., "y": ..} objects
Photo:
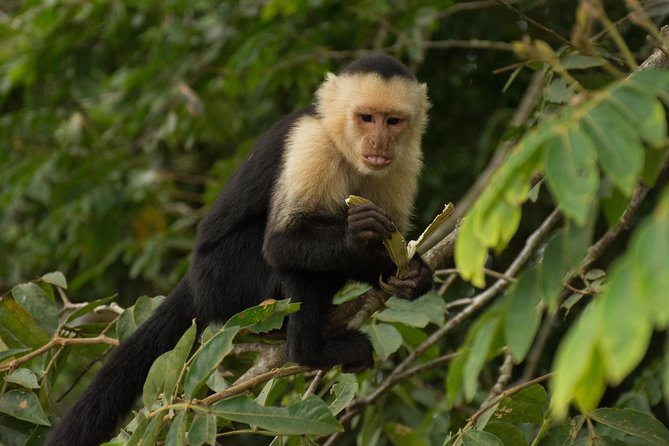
[{"x": 120, "y": 120}]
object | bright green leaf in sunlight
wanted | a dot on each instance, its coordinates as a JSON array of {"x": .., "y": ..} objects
[
  {"x": 573, "y": 359},
  {"x": 306, "y": 417},
  {"x": 611, "y": 128},
  {"x": 613, "y": 333}
]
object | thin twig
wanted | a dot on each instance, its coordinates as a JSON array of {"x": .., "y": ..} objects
[
  {"x": 505, "y": 371},
  {"x": 57, "y": 341},
  {"x": 252, "y": 382},
  {"x": 314, "y": 384},
  {"x": 466, "y": 6},
  {"x": 533, "y": 22}
]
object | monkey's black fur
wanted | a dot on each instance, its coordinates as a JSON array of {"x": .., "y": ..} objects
[
  {"x": 381, "y": 64},
  {"x": 237, "y": 263}
]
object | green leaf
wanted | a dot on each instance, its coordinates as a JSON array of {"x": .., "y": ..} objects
[
  {"x": 650, "y": 254},
  {"x": 12, "y": 352},
  {"x": 470, "y": 253},
  {"x": 265, "y": 392},
  {"x": 152, "y": 431},
  {"x": 523, "y": 315},
  {"x": 134, "y": 316},
  {"x": 618, "y": 146},
  {"x": 642, "y": 110},
  {"x": 207, "y": 359},
  {"x": 573, "y": 357},
  {"x": 402, "y": 435},
  {"x": 480, "y": 438},
  {"x": 592, "y": 383},
  {"x": 176, "y": 436},
  {"x": 35, "y": 301},
  {"x": 509, "y": 434},
  {"x": 634, "y": 423},
  {"x": 527, "y": 406},
  {"x": 202, "y": 430},
  {"x": 482, "y": 336},
  {"x": 344, "y": 392},
  {"x": 89, "y": 307},
  {"x": 350, "y": 291},
  {"x": 23, "y": 377},
  {"x": 626, "y": 318},
  {"x": 264, "y": 317},
  {"x": 455, "y": 376},
  {"x": 385, "y": 338},
  {"x": 18, "y": 328},
  {"x": 55, "y": 278},
  {"x": 417, "y": 313},
  {"x": 308, "y": 417},
  {"x": 23, "y": 405},
  {"x": 572, "y": 173},
  {"x": 577, "y": 61}
]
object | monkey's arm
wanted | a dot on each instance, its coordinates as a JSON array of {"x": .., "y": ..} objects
[{"x": 349, "y": 243}]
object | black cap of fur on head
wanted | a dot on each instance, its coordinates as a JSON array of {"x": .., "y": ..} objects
[{"x": 381, "y": 64}]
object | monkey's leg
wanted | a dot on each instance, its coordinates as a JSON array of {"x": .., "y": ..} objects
[{"x": 307, "y": 343}]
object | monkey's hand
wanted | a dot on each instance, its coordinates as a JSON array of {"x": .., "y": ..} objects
[
  {"x": 414, "y": 283},
  {"x": 367, "y": 223}
]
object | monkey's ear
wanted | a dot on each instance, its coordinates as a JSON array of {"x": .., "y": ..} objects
[{"x": 328, "y": 91}]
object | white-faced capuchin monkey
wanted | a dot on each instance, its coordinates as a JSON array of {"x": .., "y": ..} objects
[{"x": 281, "y": 229}]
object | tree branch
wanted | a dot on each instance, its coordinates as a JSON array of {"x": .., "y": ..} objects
[{"x": 57, "y": 341}]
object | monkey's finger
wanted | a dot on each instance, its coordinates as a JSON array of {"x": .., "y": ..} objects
[
  {"x": 373, "y": 214},
  {"x": 367, "y": 235},
  {"x": 399, "y": 283},
  {"x": 412, "y": 274},
  {"x": 369, "y": 224},
  {"x": 366, "y": 207}
]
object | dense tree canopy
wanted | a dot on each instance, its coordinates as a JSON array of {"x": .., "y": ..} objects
[{"x": 121, "y": 120}]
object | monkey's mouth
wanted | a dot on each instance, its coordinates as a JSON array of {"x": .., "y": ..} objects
[{"x": 376, "y": 161}]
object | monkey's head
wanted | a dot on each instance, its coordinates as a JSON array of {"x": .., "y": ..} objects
[{"x": 375, "y": 111}]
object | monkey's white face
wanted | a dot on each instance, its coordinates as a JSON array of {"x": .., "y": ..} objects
[
  {"x": 377, "y": 133},
  {"x": 372, "y": 120}
]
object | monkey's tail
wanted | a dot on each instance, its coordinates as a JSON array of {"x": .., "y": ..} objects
[{"x": 95, "y": 416}]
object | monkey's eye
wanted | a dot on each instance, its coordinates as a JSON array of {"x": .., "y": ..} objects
[
  {"x": 393, "y": 121},
  {"x": 367, "y": 118}
]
